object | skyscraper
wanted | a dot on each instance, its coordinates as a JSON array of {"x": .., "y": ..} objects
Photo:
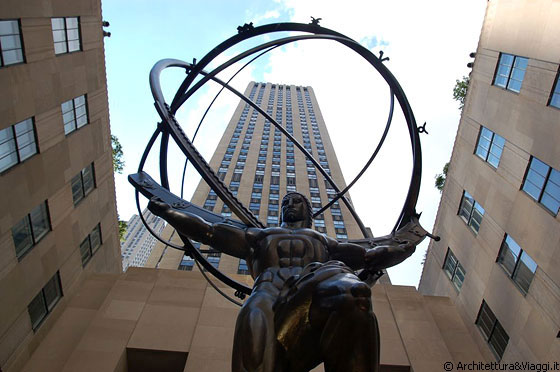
[
  {"x": 499, "y": 252},
  {"x": 58, "y": 209},
  {"x": 138, "y": 242},
  {"x": 260, "y": 166}
]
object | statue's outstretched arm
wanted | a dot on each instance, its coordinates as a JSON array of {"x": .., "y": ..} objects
[
  {"x": 220, "y": 236},
  {"x": 358, "y": 256},
  {"x": 384, "y": 256}
]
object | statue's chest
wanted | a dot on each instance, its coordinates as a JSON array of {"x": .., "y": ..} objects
[{"x": 294, "y": 250}]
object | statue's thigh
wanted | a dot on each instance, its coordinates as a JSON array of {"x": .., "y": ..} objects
[{"x": 301, "y": 314}]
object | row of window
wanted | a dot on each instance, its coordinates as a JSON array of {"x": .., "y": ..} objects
[
  {"x": 44, "y": 302},
  {"x": 19, "y": 141},
  {"x": 35, "y": 225},
  {"x": 517, "y": 264},
  {"x": 66, "y": 38},
  {"x": 541, "y": 182},
  {"x": 187, "y": 263},
  {"x": 510, "y": 73}
]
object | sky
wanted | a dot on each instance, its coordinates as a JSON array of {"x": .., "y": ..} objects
[{"x": 428, "y": 44}]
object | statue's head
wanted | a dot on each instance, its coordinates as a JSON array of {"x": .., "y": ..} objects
[{"x": 296, "y": 207}]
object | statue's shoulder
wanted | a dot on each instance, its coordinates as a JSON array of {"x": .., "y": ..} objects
[{"x": 255, "y": 234}]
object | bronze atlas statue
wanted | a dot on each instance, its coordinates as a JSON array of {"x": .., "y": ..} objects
[{"x": 311, "y": 299}]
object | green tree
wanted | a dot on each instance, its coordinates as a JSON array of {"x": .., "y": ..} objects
[
  {"x": 460, "y": 91},
  {"x": 123, "y": 226},
  {"x": 118, "y": 157},
  {"x": 440, "y": 178},
  {"x": 118, "y": 167}
]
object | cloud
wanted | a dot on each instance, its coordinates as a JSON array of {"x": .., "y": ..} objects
[{"x": 270, "y": 14}]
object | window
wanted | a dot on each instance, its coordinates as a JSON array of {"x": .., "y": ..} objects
[
  {"x": 66, "y": 34},
  {"x": 44, "y": 301},
  {"x": 492, "y": 330},
  {"x": 454, "y": 270},
  {"x": 187, "y": 263},
  {"x": 17, "y": 143},
  {"x": 243, "y": 269},
  {"x": 214, "y": 259},
  {"x": 555, "y": 95},
  {"x": 471, "y": 212},
  {"x": 83, "y": 183},
  {"x": 517, "y": 263},
  {"x": 209, "y": 204},
  {"x": 10, "y": 43},
  {"x": 31, "y": 229},
  {"x": 490, "y": 146},
  {"x": 74, "y": 114},
  {"x": 542, "y": 183},
  {"x": 90, "y": 244},
  {"x": 510, "y": 72}
]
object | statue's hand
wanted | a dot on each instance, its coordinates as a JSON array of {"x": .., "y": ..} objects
[
  {"x": 158, "y": 206},
  {"x": 384, "y": 256}
]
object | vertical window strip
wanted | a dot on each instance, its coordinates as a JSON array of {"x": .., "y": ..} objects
[
  {"x": 90, "y": 245},
  {"x": 510, "y": 72},
  {"x": 492, "y": 330},
  {"x": 74, "y": 114},
  {"x": 31, "y": 229},
  {"x": 45, "y": 301},
  {"x": 11, "y": 44},
  {"x": 519, "y": 266},
  {"x": 490, "y": 146},
  {"x": 17, "y": 143},
  {"x": 542, "y": 183},
  {"x": 454, "y": 270},
  {"x": 66, "y": 34}
]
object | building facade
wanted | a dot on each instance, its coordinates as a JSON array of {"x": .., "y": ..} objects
[
  {"x": 58, "y": 209},
  {"x": 138, "y": 242},
  {"x": 499, "y": 252},
  {"x": 260, "y": 166}
]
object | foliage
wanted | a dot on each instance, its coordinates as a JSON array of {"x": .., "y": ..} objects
[
  {"x": 123, "y": 226},
  {"x": 460, "y": 91},
  {"x": 118, "y": 161},
  {"x": 440, "y": 178},
  {"x": 118, "y": 167}
]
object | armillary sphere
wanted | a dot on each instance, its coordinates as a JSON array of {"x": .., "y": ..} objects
[{"x": 407, "y": 226}]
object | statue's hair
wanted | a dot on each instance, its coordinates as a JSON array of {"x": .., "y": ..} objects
[{"x": 309, "y": 216}]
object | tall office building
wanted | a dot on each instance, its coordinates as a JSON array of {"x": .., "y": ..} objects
[
  {"x": 260, "y": 166},
  {"x": 499, "y": 252},
  {"x": 58, "y": 210},
  {"x": 138, "y": 242}
]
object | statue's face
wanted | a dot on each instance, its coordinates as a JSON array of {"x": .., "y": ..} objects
[{"x": 294, "y": 208}]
